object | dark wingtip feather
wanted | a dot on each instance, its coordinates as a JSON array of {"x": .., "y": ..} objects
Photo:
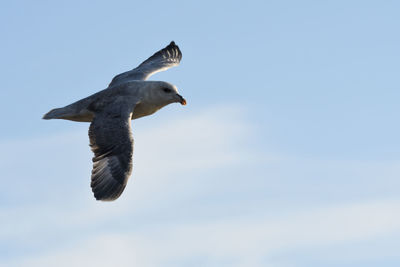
[
  {"x": 173, "y": 46},
  {"x": 108, "y": 193},
  {"x": 176, "y": 53}
]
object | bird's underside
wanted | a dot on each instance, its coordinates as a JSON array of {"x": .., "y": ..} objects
[
  {"x": 83, "y": 110},
  {"x": 110, "y": 111}
]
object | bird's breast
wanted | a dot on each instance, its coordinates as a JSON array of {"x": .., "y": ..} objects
[{"x": 142, "y": 110}]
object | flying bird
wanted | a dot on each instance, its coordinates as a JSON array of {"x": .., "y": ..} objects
[{"x": 129, "y": 96}]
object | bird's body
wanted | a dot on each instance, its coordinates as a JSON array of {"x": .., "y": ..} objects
[
  {"x": 129, "y": 96},
  {"x": 141, "y": 92}
]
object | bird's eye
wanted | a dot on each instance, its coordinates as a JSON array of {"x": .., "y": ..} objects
[{"x": 167, "y": 90}]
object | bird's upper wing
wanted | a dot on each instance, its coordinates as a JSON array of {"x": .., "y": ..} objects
[
  {"x": 162, "y": 60},
  {"x": 112, "y": 144}
]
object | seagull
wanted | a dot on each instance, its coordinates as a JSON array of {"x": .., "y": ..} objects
[{"x": 129, "y": 96}]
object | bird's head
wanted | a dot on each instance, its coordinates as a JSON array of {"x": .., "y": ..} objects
[{"x": 163, "y": 93}]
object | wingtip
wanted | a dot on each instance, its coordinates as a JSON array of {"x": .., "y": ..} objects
[
  {"x": 100, "y": 198},
  {"x": 106, "y": 192},
  {"x": 46, "y": 116},
  {"x": 176, "y": 50},
  {"x": 105, "y": 196}
]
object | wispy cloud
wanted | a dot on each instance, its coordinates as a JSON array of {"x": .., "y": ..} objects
[
  {"x": 199, "y": 196},
  {"x": 238, "y": 242},
  {"x": 50, "y": 176}
]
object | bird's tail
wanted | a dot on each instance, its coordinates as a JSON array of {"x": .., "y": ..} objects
[{"x": 57, "y": 113}]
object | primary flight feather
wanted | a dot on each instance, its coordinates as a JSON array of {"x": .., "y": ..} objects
[{"x": 129, "y": 96}]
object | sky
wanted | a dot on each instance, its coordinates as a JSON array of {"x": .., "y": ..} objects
[{"x": 287, "y": 154}]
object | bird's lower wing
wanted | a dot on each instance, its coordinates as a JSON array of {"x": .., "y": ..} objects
[{"x": 112, "y": 144}]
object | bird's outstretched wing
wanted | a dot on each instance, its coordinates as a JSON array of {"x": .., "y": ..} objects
[
  {"x": 164, "y": 59},
  {"x": 112, "y": 144}
]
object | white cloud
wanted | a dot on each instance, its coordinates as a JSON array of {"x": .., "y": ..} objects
[
  {"x": 240, "y": 242},
  {"x": 50, "y": 179},
  {"x": 175, "y": 161}
]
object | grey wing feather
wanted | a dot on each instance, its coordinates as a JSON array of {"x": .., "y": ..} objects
[
  {"x": 164, "y": 59},
  {"x": 112, "y": 144}
]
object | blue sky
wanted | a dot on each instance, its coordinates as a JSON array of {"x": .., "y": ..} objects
[{"x": 286, "y": 155}]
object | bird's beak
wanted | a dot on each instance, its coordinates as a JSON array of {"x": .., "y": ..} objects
[{"x": 181, "y": 99}]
